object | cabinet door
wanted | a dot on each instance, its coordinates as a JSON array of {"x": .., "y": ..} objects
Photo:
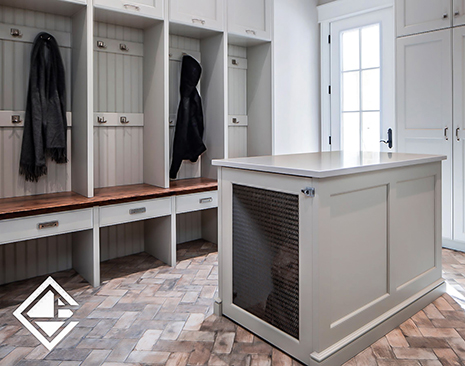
[
  {"x": 147, "y": 8},
  {"x": 459, "y": 127},
  {"x": 203, "y": 13},
  {"x": 416, "y": 16},
  {"x": 424, "y": 104},
  {"x": 250, "y": 18},
  {"x": 459, "y": 12}
]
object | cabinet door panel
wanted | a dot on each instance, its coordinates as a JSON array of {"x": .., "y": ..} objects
[
  {"x": 250, "y": 18},
  {"x": 203, "y": 13},
  {"x": 459, "y": 12},
  {"x": 416, "y": 16},
  {"x": 147, "y": 8},
  {"x": 424, "y": 104},
  {"x": 459, "y": 126}
]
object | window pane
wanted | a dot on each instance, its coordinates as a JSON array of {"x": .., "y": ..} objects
[
  {"x": 351, "y": 132},
  {"x": 351, "y": 91},
  {"x": 350, "y": 42},
  {"x": 371, "y": 131},
  {"x": 370, "y": 47},
  {"x": 371, "y": 90}
]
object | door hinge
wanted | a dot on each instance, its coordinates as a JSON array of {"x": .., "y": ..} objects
[
  {"x": 330, "y": 140},
  {"x": 329, "y": 89},
  {"x": 329, "y": 39}
]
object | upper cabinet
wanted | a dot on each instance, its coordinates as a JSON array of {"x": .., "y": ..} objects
[
  {"x": 459, "y": 12},
  {"x": 250, "y": 18},
  {"x": 207, "y": 14},
  {"x": 417, "y": 16},
  {"x": 146, "y": 8}
]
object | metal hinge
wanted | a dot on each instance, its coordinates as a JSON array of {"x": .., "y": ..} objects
[
  {"x": 329, "y": 89},
  {"x": 309, "y": 192},
  {"x": 330, "y": 140},
  {"x": 329, "y": 39}
]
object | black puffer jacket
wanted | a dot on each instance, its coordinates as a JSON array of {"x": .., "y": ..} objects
[
  {"x": 45, "y": 123},
  {"x": 188, "y": 138}
]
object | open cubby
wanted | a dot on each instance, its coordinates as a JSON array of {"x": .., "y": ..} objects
[
  {"x": 129, "y": 101},
  {"x": 249, "y": 99},
  {"x": 66, "y": 22}
]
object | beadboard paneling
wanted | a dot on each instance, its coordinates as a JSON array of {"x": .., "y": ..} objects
[
  {"x": 118, "y": 77},
  {"x": 188, "y": 169},
  {"x": 15, "y": 56},
  {"x": 188, "y": 227},
  {"x": 118, "y": 156},
  {"x": 12, "y": 184},
  {"x": 121, "y": 240},
  {"x": 27, "y": 259},
  {"x": 237, "y": 145},
  {"x": 237, "y": 94},
  {"x": 14, "y": 78},
  {"x": 237, "y": 51}
]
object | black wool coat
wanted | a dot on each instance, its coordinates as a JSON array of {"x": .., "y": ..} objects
[
  {"x": 45, "y": 122},
  {"x": 188, "y": 138}
]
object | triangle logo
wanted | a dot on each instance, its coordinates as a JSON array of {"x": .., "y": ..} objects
[
  {"x": 44, "y": 308},
  {"x": 50, "y": 328}
]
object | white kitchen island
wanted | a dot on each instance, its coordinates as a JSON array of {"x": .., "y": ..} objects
[{"x": 322, "y": 254}]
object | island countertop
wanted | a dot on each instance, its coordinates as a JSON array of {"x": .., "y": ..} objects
[{"x": 327, "y": 164}]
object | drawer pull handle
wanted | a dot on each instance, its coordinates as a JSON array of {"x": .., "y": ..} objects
[
  {"x": 206, "y": 200},
  {"x": 250, "y": 31},
  {"x": 48, "y": 225},
  {"x": 131, "y": 6},
  {"x": 235, "y": 121},
  {"x": 101, "y": 120},
  {"x": 136, "y": 211},
  {"x": 124, "y": 120},
  {"x": 201, "y": 21},
  {"x": 15, "y": 33}
]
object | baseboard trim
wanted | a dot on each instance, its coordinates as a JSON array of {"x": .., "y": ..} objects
[{"x": 453, "y": 245}]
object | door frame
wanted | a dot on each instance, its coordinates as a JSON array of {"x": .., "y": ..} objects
[{"x": 341, "y": 10}]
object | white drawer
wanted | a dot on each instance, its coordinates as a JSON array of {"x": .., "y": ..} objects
[
  {"x": 196, "y": 202},
  {"x": 136, "y": 211},
  {"x": 33, "y": 227}
]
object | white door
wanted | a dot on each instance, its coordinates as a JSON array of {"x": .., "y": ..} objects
[
  {"x": 250, "y": 18},
  {"x": 459, "y": 134},
  {"x": 458, "y": 10},
  {"x": 362, "y": 82},
  {"x": 424, "y": 104},
  {"x": 416, "y": 16},
  {"x": 203, "y": 13},
  {"x": 147, "y": 8}
]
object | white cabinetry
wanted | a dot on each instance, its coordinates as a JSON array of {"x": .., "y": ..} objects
[
  {"x": 203, "y": 13},
  {"x": 250, "y": 18},
  {"x": 146, "y": 8},
  {"x": 417, "y": 16},
  {"x": 424, "y": 104},
  {"x": 459, "y": 126},
  {"x": 431, "y": 96}
]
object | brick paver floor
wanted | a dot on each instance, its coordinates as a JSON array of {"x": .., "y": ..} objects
[{"x": 148, "y": 313}]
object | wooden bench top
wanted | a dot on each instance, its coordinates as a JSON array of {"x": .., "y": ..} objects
[{"x": 15, "y": 207}]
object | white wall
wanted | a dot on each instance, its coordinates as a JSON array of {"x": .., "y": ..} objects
[{"x": 296, "y": 77}]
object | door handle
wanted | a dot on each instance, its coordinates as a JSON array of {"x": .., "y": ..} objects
[
  {"x": 389, "y": 141},
  {"x": 457, "y": 131},
  {"x": 446, "y": 131}
]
